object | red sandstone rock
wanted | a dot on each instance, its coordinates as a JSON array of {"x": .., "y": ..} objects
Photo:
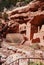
[
  {"x": 26, "y": 13},
  {"x": 33, "y": 13},
  {"x": 37, "y": 40}
]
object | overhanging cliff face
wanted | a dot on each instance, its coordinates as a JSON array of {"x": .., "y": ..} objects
[
  {"x": 38, "y": 20},
  {"x": 33, "y": 13}
]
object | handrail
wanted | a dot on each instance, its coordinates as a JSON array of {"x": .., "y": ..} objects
[{"x": 26, "y": 58}]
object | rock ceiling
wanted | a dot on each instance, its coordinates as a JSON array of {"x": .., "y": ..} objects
[{"x": 33, "y": 12}]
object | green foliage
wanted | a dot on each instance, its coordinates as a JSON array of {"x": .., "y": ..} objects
[
  {"x": 35, "y": 46},
  {"x": 35, "y": 63},
  {"x": 8, "y": 3},
  {"x": 0, "y": 22},
  {"x": 0, "y": 15},
  {"x": 27, "y": 1},
  {"x": 5, "y": 16}
]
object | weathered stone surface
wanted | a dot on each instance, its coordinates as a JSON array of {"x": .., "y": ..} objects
[
  {"x": 8, "y": 53},
  {"x": 15, "y": 38},
  {"x": 33, "y": 13},
  {"x": 14, "y": 57}
]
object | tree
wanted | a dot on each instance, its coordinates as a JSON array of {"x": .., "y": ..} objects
[
  {"x": 0, "y": 14},
  {"x": 5, "y": 16},
  {"x": 8, "y": 3},
  {"x": 27, "y": 1}
]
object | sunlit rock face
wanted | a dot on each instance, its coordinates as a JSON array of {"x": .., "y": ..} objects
[
  {"x": 42, "y": 28},
  {"x": 15, "y": 38}
]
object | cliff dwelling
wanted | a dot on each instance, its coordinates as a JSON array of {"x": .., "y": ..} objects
[
  {"x": 22, "y": 33},
  {"x": 36, "y": 27}
]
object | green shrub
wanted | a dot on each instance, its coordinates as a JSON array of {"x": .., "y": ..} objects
[
  {"x": 0, "y": 15},
  {"x": 8, "y": 3},
  {"x": 5, "y": 16},
  {"x": 35, "y": 63}
]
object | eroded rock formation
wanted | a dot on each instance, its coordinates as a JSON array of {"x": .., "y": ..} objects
[{"x": 33, "y": 13}]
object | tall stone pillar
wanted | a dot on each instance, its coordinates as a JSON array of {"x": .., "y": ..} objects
[
  {"x": 38, "y": 28},
  {"x": 28, "y": 30}
]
